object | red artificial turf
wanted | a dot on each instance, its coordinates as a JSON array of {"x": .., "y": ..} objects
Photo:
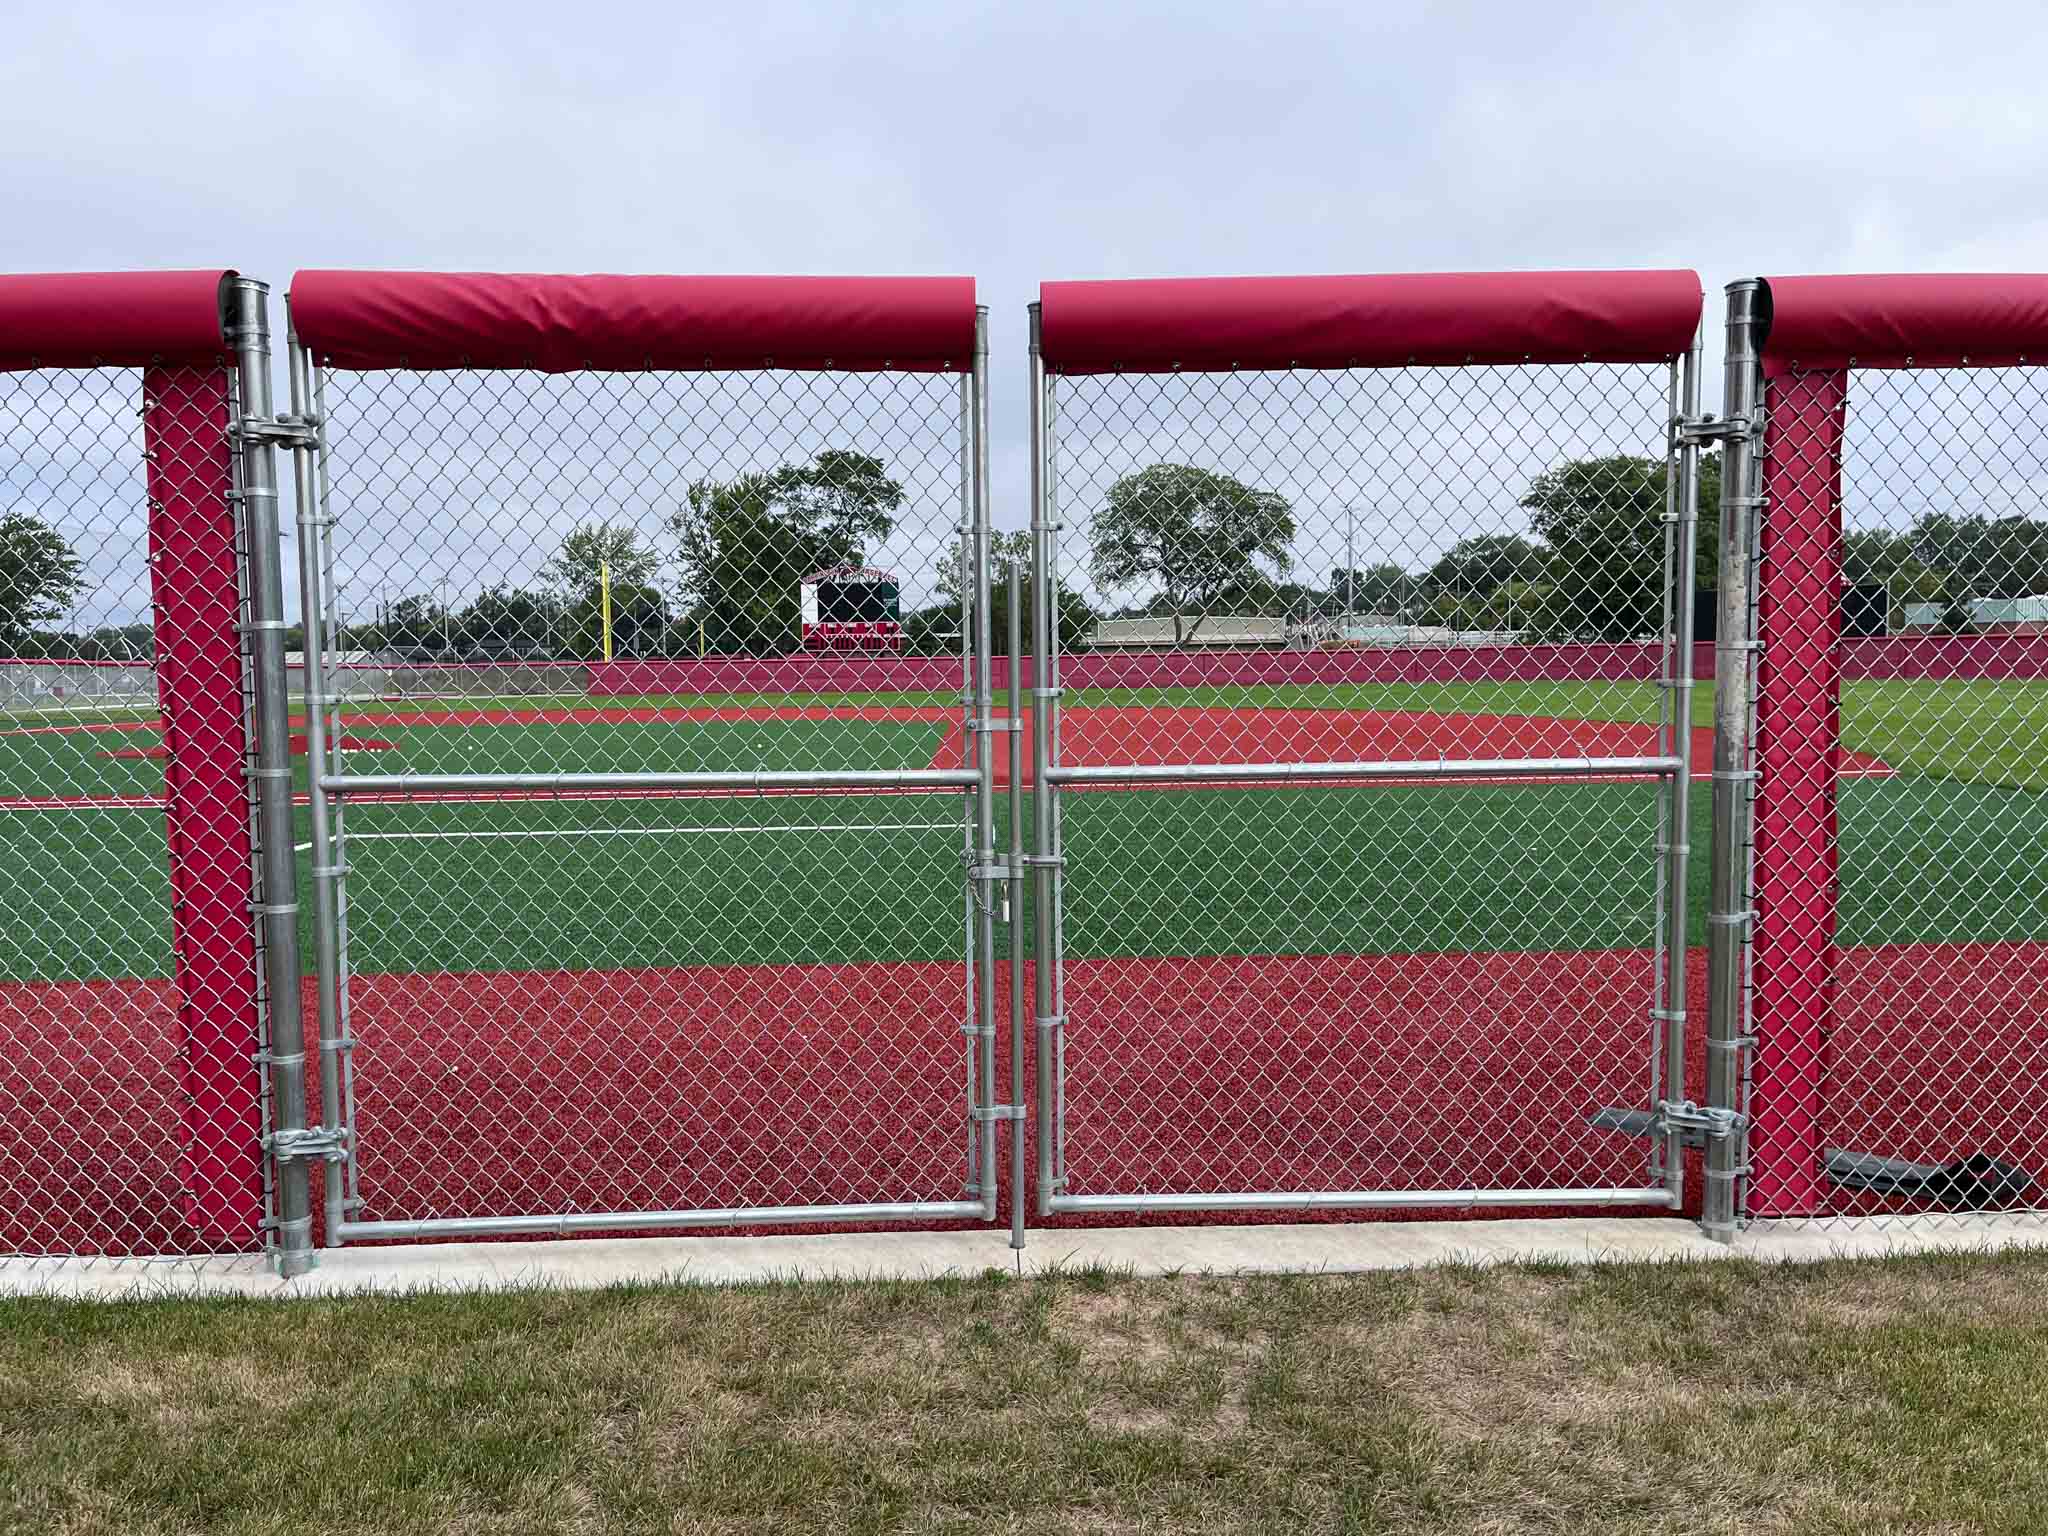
[{"x": 732, "y": 1085}]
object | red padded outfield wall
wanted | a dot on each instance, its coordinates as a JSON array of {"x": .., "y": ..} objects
[
  {"x": 169, "y": 325},
  {"x": 1819, "y": 329}
]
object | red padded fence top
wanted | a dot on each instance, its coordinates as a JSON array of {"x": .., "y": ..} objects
[
  {"x": 1436, "y": 319},
  {"x": 431, "y": 320},
  {"x": 1916, "y": 320},
  {"x": 110, "y": 319}
]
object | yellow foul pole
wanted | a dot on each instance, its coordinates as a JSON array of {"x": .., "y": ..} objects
[{"x": 604, "y": 604}]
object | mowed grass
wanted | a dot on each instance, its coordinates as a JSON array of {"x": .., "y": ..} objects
[{"x": 1847, "y": 1397}]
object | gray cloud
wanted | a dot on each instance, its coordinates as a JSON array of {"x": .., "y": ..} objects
[{"x": 1021, "y": 143}]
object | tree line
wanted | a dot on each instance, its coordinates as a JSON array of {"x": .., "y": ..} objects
[{"x": 1183, "y": 544}]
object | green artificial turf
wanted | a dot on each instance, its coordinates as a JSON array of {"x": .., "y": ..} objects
[{"x": 1954, "y": 848}]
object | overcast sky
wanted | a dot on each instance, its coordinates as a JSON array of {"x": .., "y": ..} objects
[{"x": 1017, "y": 143}]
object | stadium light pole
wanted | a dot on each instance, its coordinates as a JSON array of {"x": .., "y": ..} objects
[{"x": 447, "y": 636}]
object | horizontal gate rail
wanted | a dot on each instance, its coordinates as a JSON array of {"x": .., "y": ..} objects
[
  {"x": 1423, "y": 768},
  {"x": 576, "y": 1222},
  {"x": 775, "y": 779},
  {"x": 1368, "y": 1199}
]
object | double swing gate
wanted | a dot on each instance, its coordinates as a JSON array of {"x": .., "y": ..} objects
[{"x": 680, "y": 806}]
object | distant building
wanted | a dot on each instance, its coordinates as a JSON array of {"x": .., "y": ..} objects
[
  {"x": 1988, "y": 615},
  {"x": 2010, "y": 615},
  {"x": 1215, "y": 631}
]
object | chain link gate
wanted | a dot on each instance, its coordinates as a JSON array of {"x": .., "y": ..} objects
[
  {"x": 1885, "y": 847},
  {"x": 1373, "y": 891},
  {"x": 652, "y": 837}
]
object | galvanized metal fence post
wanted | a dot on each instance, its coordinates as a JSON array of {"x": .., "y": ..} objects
[
  {"x": 277, "y": 904},
  {"x": 1045, "y": 868},
  {"x": 1678, "y": 828},
  {"x": 312, "y": 525},
  {"x": 1014, "y": 601},
  {"x": 986, "y": 868},
  {"x": 1729, "y": 915}
]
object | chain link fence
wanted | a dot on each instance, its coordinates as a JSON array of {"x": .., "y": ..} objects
[
  {"x": 640, "y": 795},
  {"x": 131, "y": 1014},
  {"x": 1899, "y": 975}
]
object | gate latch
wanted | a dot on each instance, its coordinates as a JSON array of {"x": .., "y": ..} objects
[
  {"x": 314, "y": 1144},
  {"x": 1698, "y": 431},
  {"x": 1695, "y": 1124},
  {"x": 285, "y": 431}
]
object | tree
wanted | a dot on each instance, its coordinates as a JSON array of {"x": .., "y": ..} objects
[
  {"x": 1603, "y": 522},
  {"x": 40, "y": 575},
  {"x": 936, "y": 629},
  {"x": 745, "y": 546},
  {"x": 1002, "y": 549},
  {"x": 507, "y": 620},
  {"x": 639, "y": 623},
  {"x": 1981, "y": 556},
  {"x": 1382, "y": 589},
  {"x": 1479, "y": 567},
  {"x": 416, "y": 621},
  {"x": 1202, "y": 536},
  {"x": 593, "y": 548}
]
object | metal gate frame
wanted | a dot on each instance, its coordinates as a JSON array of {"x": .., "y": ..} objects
[
  {"x": 1672, "y": 1118},
  {"x": 331, "y": 786}
]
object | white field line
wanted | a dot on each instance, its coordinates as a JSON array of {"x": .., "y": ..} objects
[{"x": 823, "y": 826}]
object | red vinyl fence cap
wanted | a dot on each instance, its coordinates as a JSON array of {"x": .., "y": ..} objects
[
  {"x": 1914, "y": 320},
  {"x": 1431, "y": 319},
  {"x": 556, "y": 324},
  {"x": 110, "y": 319}
]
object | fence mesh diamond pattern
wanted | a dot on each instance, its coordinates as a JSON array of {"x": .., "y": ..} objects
[
  {"x": 130, "y": 1020},
  {"x": 1899, "y": 975},
  {"x": 1404, "y": 985},
  {"x": 608, "y": 998}
]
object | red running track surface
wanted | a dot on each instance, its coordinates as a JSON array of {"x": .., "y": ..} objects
[{"x": 716, "y": 1085}]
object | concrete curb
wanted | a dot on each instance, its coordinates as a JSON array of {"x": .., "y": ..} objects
[{"x": 1346, "y": 1248}]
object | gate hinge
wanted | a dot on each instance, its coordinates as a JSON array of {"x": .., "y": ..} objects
[
  {"x": 1696, "y": 431},
  {"x": 316, "y": 1143},
  {"x": 286, "y": 431}
]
